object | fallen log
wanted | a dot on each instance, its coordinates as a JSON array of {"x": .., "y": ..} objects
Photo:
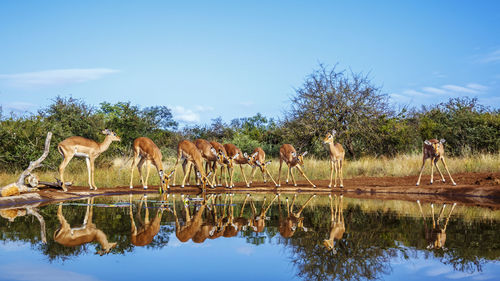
[{"x": 20, "y": 186}]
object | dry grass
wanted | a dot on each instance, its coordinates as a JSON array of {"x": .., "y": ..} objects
[{"x": 403, "y": 165}]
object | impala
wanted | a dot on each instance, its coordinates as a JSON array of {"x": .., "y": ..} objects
[
  {"x": 436, "y": 236},
  {"x": 434, "y": 150},
  {"x": 293, "y": 220},
  {"x": 337, "y": 225},
  {"x": 82, "y": 147},
  {"x": 147, "y": 150},
  {"x": 186, "y": 150},
  {"x": 222, "y": 160},
  {"x": 210, "y": 155},
  {"x": 258, "y": 159},
  {"x": 149, "y": 229},
  {"x": 238, "y": 158},
  {"x": 88, "y": 232},
  {"x": 292, "y": 159},
  {"x": 337, "y": 154}
]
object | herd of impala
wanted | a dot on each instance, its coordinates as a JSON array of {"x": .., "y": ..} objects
[{"x": 214, "y": 154}]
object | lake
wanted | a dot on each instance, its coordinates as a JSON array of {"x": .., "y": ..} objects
[{"x": 248, "y": 237}]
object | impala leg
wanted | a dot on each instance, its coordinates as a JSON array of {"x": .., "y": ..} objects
[
  {"x": 139, "y": 167},
  {"x": 63, "y": 165},
  {"x": 175, "y": 171},
  {"x": 279, "y": 173},
  {"x": 132, "y": 170},
  {"x": 244, "y": 177},
  {"x": 332, "y": 215},
  {"x": 433, "y": 220},
  {"x": 421, "y": 170},
  {"x": 271, "y": 177},
  {"x": 341, "y": 164},
  {"x": 331, "y": 173},
  {"x": 304, "y": 175},
  {"x": 92, "y": 170},
  {"x": 252, "y": 174},
  {"x": 288, "y": 173},
  {"x": 305, "y": 204},
  {"x": 87, "y": 161},
  {"x": 133, "y": 229},
  {"x": 148, "y": 166},
  {"x": 293, "y": 202},
  {"x": 420, "y": 208},
  {"x": 432, "y": 171},
  {"x": 186, "y": 174},
  {"x": 231, "y": 184},
  {"x": 439, "y": 170},
  {"x": 335, "y": 165},
  {"x": 448, "y": 171},
  {"x": 293, "y": 177},
  {"x": 448, "y": 218},
  {"x": 263, "y": 174}
]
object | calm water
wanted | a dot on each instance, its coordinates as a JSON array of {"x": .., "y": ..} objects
[{"x": 247, "y": 238}]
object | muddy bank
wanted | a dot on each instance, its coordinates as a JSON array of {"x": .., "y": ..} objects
[{"x": 481, "y": 189}]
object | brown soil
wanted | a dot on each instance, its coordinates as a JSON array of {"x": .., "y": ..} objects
[{"x": 481, "y": 189}]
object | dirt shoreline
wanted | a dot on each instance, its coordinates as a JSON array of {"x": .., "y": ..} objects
[{"x": 478, "y": 189}]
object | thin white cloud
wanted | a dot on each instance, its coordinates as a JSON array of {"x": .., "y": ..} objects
[
  {"x": 459, "y": 89},
  {"x": 246, "y": 103},
  {"x": 188, "y": 115},
  {"x": 491, "y": 57},
  {"x": 28, "y": 272},
  {"x": 55, "y": 77},
  {"x": 434, "y": 90},
  {"x": 476, "y": 86},
  {"x": 18, "y": 106},
  {"x": 414, "y": 93}
]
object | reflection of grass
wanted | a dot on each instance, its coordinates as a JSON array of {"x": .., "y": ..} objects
[{"x": 118, "y": 174}]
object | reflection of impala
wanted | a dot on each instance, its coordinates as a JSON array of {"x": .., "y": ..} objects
[
  {"x": 148, "y": 229},
  {"x": 258, "y": 159},
  {"x": 293, "y": 220},
  {"x": 258, "y": 222},
  {"x": 82, "y": 147},
  {"x": 88, "y": 232},
  {"x": 293, "y": 160},
  {"x": 436, "y": 236},
  {"x": 434, "y": 149},
  {"x": 192, "y": 224},
  {"x": 337, "y": 226}
]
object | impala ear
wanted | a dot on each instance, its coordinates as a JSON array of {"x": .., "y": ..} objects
[
  {"x": 171, "y": 173},
  {"x": 198, "y": 174},
  {"x": 304, "y": 154},
  {"x": 213, "y": 151},
  {"x": 427, "y": 142},
  {"x": 442, "y": 141},
  {"x": 245, "y": 155},
  {"x": 294, "y": 154},
  {"x": 236, "y": 156},
  {"x": 268, "y": 162},
  {"x": 255, "y": 154},
  {"x": 257, "y": 162}
]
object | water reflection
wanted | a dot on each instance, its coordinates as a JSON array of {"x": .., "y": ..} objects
[
  {"x": 436, "y": 235},
  {"x": 323, "y": 237},
  {"x": 147, "y": 229},
  {"x": 337, "y": 225},
  {"x": 86, "y": 233},
  {"x": 293, "y": 220}
]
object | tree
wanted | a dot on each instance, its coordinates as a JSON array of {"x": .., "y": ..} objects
[{"x": 330, "y": 99}]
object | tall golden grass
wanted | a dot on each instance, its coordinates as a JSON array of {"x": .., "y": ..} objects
[{"x": 118, "y": 174}]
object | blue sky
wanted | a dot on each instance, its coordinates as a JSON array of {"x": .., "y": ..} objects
[{"x": 233, "y": 58}]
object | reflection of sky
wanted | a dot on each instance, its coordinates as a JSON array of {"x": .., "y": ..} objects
[
  {"x": 219, "y": 259},
  {"x": 418, "y": 268}
]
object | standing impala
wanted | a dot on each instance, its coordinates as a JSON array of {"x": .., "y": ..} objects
[
  {"x": 82, "y": 147},
  {"x": 237, "y": 157},
  {"x": 208, "y": 153},
  {"x": 186, "y": 150},
  {"x": 147, "y": 150},
  {"x": 258, "y": 159},
  {"x": 434, "y": 150},
  {"x": 337, "y": 225},
  {"x": 292, "y": 159},
  {"x": 337, "y": 154},
  {"x": 88, "y": 232}
]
